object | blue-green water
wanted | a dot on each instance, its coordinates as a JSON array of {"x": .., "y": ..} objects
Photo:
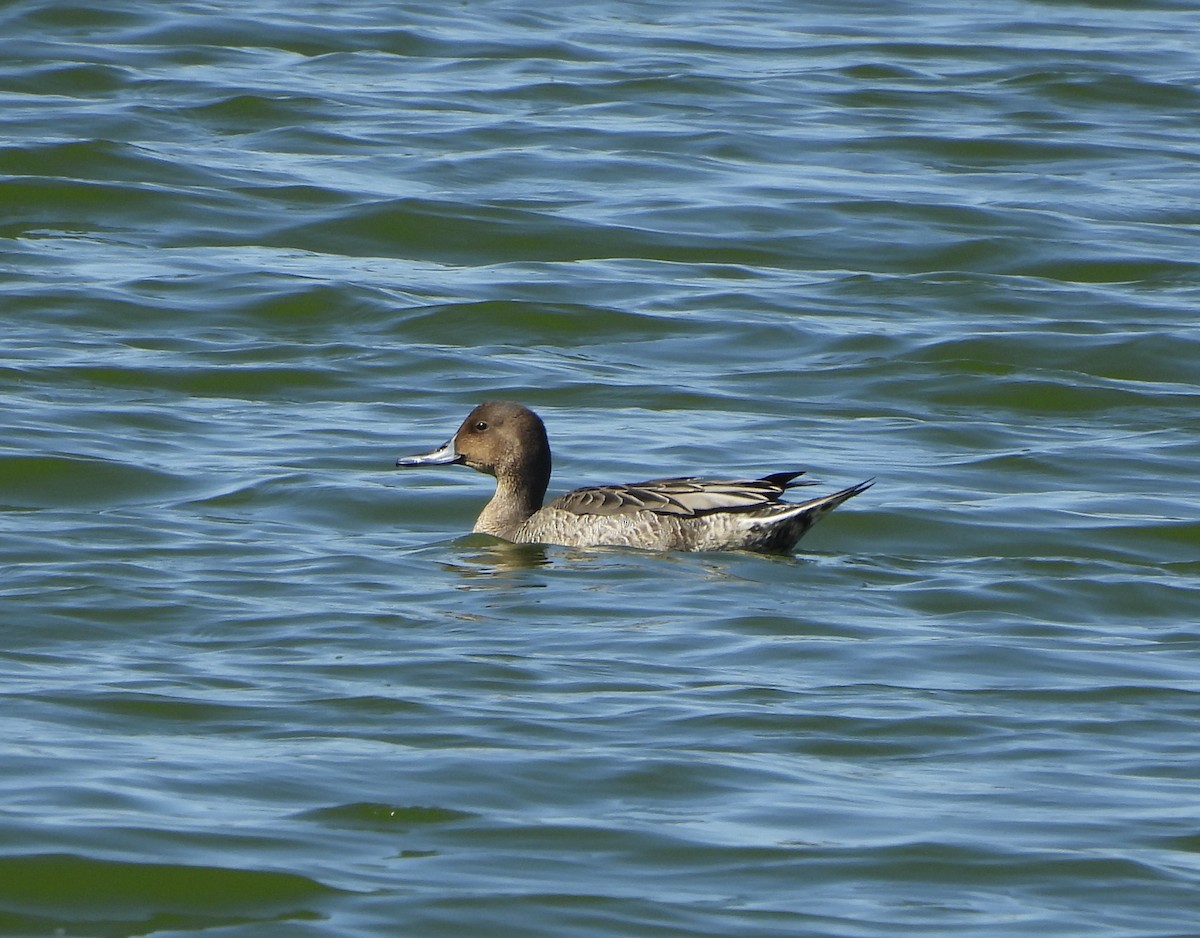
[{"x": 255, "y": 683}]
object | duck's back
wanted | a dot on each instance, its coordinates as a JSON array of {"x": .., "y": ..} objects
[{"x": 684, "y": 496}]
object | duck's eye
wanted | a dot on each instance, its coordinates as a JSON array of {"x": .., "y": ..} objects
[{"x": 481, "y": 425}]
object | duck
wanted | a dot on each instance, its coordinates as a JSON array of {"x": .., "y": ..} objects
[{"x": 508, "y": 440}]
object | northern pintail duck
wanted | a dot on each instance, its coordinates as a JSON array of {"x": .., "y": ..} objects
[{"x": 508, "y": 441}]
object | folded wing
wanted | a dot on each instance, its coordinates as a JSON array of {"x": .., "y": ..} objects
[{"x": 688, "y": 496}]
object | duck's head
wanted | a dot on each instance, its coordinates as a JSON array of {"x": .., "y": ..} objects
[{"x": 500, "y": 438}]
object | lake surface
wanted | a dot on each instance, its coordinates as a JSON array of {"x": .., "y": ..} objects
[{"x": 256, "y": 682}]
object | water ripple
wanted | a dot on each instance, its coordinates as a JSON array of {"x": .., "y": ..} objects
[{"x": 257, "y": 681}]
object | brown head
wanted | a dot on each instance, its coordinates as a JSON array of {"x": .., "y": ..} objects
[{"x": 502, "y": 439}]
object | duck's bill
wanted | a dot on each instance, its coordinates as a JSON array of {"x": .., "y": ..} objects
[{"x": 444, "y": 455}]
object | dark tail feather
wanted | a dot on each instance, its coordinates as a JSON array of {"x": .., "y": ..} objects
[
  {"x": 803, "y": 515},
  {"x": 784, "y": 479},
  {"x": 816, "y": 508},
  {"x": 838, "y": 497}
]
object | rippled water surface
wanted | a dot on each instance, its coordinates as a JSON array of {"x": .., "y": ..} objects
[{"x": 257, "y": 683}]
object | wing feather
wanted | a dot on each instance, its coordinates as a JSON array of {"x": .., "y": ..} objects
[{"x": 687, "y": 496}]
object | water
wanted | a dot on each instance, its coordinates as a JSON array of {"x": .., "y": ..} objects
[{"x": 255, "y": 683}]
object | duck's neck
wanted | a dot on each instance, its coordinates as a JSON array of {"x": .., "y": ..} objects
[{"x": 509, "y": 508}]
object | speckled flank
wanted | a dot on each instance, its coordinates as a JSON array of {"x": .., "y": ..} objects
[{"x": 767, "y": 530}]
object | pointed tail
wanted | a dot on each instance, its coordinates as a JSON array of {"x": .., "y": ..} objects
[
  {"x": 817, "y": 508},
  {"x": 787, "y": 527}
]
